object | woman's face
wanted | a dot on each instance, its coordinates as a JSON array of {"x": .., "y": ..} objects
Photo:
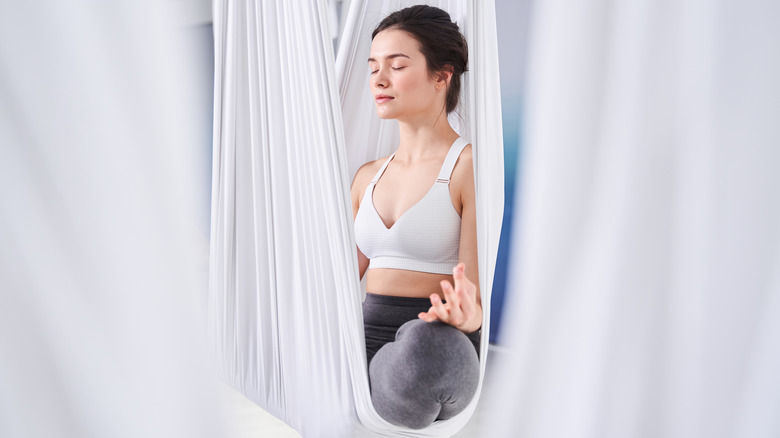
[{"x": 403, "y": 88}]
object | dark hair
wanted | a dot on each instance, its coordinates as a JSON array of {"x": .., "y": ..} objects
[{"x": 440, "y": 40}]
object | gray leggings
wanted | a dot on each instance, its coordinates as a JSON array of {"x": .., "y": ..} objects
[{"x": 419, "y": 372}]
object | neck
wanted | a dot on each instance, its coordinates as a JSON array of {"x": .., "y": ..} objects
[{"x": 424, "y": 139}]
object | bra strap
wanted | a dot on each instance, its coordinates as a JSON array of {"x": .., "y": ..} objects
[
  {"x": 382, "y": 169},
  {"x": 450, "y": 160}
]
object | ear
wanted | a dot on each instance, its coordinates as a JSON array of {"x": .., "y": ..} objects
[{"x": 444, "y": 76}]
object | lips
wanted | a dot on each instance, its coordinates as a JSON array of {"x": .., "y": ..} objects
[{"x": 382, "y": 98}]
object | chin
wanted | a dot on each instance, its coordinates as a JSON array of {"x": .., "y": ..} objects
[{"x": 385, "y": 115}]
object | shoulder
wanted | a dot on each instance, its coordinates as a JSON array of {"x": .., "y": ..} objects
[
  {"x": 364, "y": 175},
  {"x": 466, "y": 153},
  {"x": 367, "y": 171},
  {"x": 463, "y": 174},
  {"x": 464, "y": 167}
]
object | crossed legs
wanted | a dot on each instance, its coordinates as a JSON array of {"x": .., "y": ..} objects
[{"x": 430, "y": 372}]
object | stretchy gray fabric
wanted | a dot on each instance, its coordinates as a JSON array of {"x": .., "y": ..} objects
[{"x": 419, "y": 372}]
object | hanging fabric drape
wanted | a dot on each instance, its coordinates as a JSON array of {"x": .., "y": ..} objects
[
  {"x": 282, "y": 282},
  {"x": 285, "y": 300},
  {"x": 647, "y": 266},
  {"x": 99, "y": 244}
]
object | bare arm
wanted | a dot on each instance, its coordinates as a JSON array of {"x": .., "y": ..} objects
[
  {"x": 463, "y": 309},
  {"x": 359, "y": 184},
  {"x": 468, "y": 224}
]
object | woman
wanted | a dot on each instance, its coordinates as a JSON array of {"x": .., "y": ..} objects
[{"x": 415, "y": 226}]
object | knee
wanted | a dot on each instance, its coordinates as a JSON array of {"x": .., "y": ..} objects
[
  {"x": 425, "y": 352},
  {"x": 398, "y": 388},
  {"x": 430, "y": 371},
  {"x": 435, "y": 342}
]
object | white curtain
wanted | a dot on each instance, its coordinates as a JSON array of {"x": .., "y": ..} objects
[
  {"x": 99, "y": 246},
  {"x": 647, "y": 268},
  {"x": 283, "y": 276},
  {"x": 285, "y": 300}
]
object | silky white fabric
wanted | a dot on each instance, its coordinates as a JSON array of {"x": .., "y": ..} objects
[
  {"x": 646, "y": 268},
  {"x": 282, "y": 303},
  {"x": 285, "y": 300},
  {"x": 98, "y": 234}
]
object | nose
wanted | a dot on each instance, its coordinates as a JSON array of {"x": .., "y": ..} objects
[{"x": 379, "y": 79}]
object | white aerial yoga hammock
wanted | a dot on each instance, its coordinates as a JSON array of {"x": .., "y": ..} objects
[{"x": 284, "y": 300}]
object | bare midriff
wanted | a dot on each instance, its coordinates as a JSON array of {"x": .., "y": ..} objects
[{"x": 403, "y": 283}]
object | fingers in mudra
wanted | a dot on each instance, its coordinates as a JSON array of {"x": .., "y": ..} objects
[
  {"x": 466, "y": 292},
  {"x": 460, "y": 304},
  {"x": 438, "y": 309}
]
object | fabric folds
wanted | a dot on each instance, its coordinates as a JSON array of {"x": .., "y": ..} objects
[
  {"x": 283, "y": 306},
  {"x": 647, "y": 254}
]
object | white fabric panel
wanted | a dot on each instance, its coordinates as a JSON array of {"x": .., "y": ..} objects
[
  {"x": 285, "y": 299},
  {"x": 98, "y": 234},
  {"x": 283, "y": 302},
  {"x": 647, "y": 291}
]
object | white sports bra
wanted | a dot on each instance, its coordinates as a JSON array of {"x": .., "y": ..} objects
[{"x": 426, "y": 238}]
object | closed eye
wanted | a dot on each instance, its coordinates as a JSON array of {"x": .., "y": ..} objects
[{"x": 394, "y": 68}]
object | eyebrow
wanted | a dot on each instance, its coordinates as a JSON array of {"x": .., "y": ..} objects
[{"x": 394, "y": 55}]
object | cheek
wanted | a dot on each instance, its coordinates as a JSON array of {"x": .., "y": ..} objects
[{"x": 418, "y": 85}]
